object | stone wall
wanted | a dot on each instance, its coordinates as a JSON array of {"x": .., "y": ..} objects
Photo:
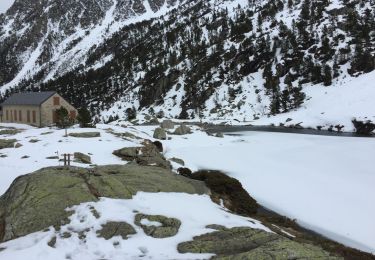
[
  {"x": 49, "y": 106},
  {"x": 21, "y": 114}
]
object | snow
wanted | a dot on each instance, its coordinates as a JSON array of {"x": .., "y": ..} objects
[
  {"x": 325, "y": 183},
  {"x": 27, "y": 68},
  {"x": 5, "y": 5},
  {"x": 337, "y": 104},
  {"x": 194, "y": 211},
  {"x": 53, "y": 144}
]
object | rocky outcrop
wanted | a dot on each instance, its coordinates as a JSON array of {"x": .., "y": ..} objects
[
  {"x": 168, "y": 227},
  {"x": 38, "y": 200},
  {"x": 85, "y": 134},
  {"x": 112, "y": 229},
  {"x": 10, "y": 131},
  {"x": 167, "y": 124},
  {"x": 7, "y": 143},
  {"x": 248, "y": 243},
  {"x": 182, "y": 130},
  {"x": 160, "y": 134},
  {"x": 177, "y": 160},
  {"x": 148, "y": 154},
  {"x": 228, "y": 190},
  {"x": 82, "y": 158},
  {"x": 363, "y": 128}
]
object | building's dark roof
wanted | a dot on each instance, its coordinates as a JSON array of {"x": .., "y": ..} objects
[{"x": 28, "y": 98}]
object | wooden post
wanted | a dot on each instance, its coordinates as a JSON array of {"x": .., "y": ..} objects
[
  {"x": 64, "y": 159},
  {"x": 68, "y": 159}
]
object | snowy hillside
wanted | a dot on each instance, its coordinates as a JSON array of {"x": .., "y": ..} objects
[{"x": 258, "y": 62}]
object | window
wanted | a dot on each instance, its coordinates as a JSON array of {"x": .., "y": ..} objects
[
  {"x": 28, "y": 116},
  {"x": 56, "y": 101},
  {"x": 7, "y": 115},
  {"x": 34, "y": 116},
  {"x": 15, "y": 115},
  {"x": 20, "y": 115}
]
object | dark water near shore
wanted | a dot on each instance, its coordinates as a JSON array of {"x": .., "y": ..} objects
[{"x": 275, "y": 129}]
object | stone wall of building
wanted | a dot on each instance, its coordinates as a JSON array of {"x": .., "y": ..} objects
[
  {"x": 49, "y": 107},
  {"x": 22, "y": 114}
]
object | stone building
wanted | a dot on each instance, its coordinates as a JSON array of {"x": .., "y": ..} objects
[{"x": 34, "y": 108}]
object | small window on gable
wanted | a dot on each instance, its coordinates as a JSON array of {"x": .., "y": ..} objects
[{"x": 56, "y": 101}]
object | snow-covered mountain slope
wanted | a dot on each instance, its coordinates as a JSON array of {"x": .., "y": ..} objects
[
  {"x": 332, "y": 106},
  {"x": 230, "y": 59},
  {"x": 55, "y": 36}
]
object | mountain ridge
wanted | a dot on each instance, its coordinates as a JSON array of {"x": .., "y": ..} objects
[{"x": 220, "y": 59}]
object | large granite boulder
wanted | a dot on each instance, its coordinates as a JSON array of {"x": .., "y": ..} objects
[
  {"x": 148, "y": 154},
  {"x": 38, "y": 200},
  {"x": 249, "y": 243}
]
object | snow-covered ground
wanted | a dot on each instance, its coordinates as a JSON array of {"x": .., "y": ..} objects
[
  {"x": 53, "y": 143},
  {"x": 334, "y": 105},
  {"x": 194, "y": 211},
  {"x": 325, "y": 183}
]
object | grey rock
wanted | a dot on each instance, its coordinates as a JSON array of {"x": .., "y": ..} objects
[
  {"x": 167, "y": 124},
  {"x": 177, "y": 160},
  {"x": 10, "y": 131},
  {"x": 112, "y": 229},
  {"x": 219, "y": 134},
  {"x": 38, "y": 200},
  {"x": 83, "y": 158},
  {"x": 85, "y": 134},
  {"x": 182, "y": 130},
  {"x": 146, "y": 155},
  {"x": 248, "y": 243},
  {"x": 160, "y": 134},
  {"x": 7, "y": 143},
  {"x": 169, "y": 226}
]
